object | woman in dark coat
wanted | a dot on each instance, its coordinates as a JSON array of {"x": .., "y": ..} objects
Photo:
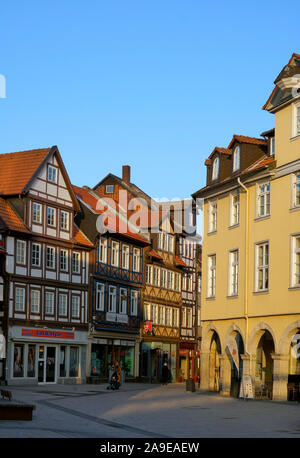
[{"x": 165, "y": 374}]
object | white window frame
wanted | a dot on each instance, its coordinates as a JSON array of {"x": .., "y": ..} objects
[
  {"x": 265, "y": 195},
  {"x": 296, "y": 120},
  {"x": 49, "y": 305},
  {"x": 189, "y": 317},
  {"x": 109, "y": 189},
  {"x": 211, "y": 278},
  {"x": 100, "y": 297},
  {"x": 125, "y": 256},
  {"x": 233, "y": 280},
  {"x": 272, "y": 146},
  {"x": 134, "y": 296},
  {"x": 34, "y": 257},
  {"x": 35, "y": 300},
  {"x": 64, "y": 220},
  {"x": 52, "y": 171},
  {"x": 103, "y": 250},
  {"x": 112, "y": 299},
  {"x": 263, "y": 268},
  {"x": 63, "y": 261},
  {"x": 20, "y": 306},
  {"x": 37, "y": 212},
  {"x": 52, "y": 222},
  {"x": 115, "y": 253},
  {"x": 149, "y": 274},
  {"x": 215, "y": 169},
  {"x": 75, "y": 307},
  {"x": 295, "y": 262},
  {"x": 235, "y": 209},
  {"x": 52, "y": 257},
  {"x": 123, "y": 301},
  {"x": 76, "y": 262},
  {"x": 236, "y": 162},
  {"x": 213, "y": 216},
  {"x": 183, "y": 317},
  {"x": 63, "y": 304},
  {"x": 295, "y": 185},
  {"x": 156, "y": 276},
  {"x": 21, "y": 252},
  {"x": 136, "y": 259}
]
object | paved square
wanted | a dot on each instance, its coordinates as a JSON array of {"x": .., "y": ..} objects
[{"x": 148, "y": 411}]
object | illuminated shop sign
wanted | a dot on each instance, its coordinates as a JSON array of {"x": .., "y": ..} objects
[{"x": 48, "y": 334}]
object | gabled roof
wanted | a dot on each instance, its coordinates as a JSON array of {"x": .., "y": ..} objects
[
  {"x": 9, "y": 219},
  {"x": 79, "y": 238},
  {"x": 245, "y": 139},
  {"x": 263, "y": 161},
  {"x": 19, "y": 170},
  {"x": 280, "y": 95}
]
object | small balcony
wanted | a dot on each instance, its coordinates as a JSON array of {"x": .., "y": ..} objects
[{"x": 117, "y": 273}]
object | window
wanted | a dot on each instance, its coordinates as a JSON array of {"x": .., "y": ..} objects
[
  {"x": 149, "y": 271},
  {"x": 51, "y": 216},
  {"x": 183, "y": 317},
  {"x": 213, "y": 211},
  {"x": 19, "y": 360},
  {"x": 161, "y": 315},
  {"x": 296, "y": 189},
  {"x": 136, "y": 260},
  {"x": 189, "y": 318},
  {"x": 177, "y": 282},
  {"x": 103, "y": 250},
  {"x": 264, "y": 199},
  {"x": 163, "y": 278},
  {"x": 123, "y": 301},
  {"x": 63, "y": 304},
  {"x": 76, "y": 263},
  {"x": 134, "y": 303},
  {"x": 156, "y": 279},
  {"x": 168, "y": 316},
  {"x": 233, "y": 272},
  {"x": 296, "y": 261},
  {"x": 175, "y": 318},
  {"x": 100, "y": 296},
  {"x": 170, "y": 280},
  {"x": 262, "y": 267},
  {"x": 109, "y": 188},
  {"x": 125, "y": 256},
  {"x": 272, "y": 146},
  {"x": 75, "y": 306},
  {"x": 52, "y": 174},
  {"x": 31, "y": 361},
  {"x": 49, "y": 303},
  {"x": 64, "y": 220},
  {"x": 21, "y": 252},
  {"x": 165, "y": 242},
  {"x": 74, "y": 362},
  {"x": 236, "y": 159},
  {"x": 112, "y": 299},
  {"x": 211, "y": 290},
  {"x": 189, "y": 282},
  {"x": 296, "y": 120},
  {"x": 50, "y": 257},
  {"x": 20, "y": 299},
  {"x": 37, "y": 213},
  {"x": 115, "y": 254},
  {"x": 63, "y": 260},
  {"x": 36, "y": 255},
  {"x": 62, "y": 361},
  {"x": 154, "y": 313},
  {"x": 147, "y": 316},
  {"x": 215, "y": 170},
  {"x": 235, "y": 209},
  {"x": 35, "y": 301}
]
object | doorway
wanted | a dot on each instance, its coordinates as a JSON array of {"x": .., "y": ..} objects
[{"x": 47, "y": 364}]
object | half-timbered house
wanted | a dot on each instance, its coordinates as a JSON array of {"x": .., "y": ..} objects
[{"x": 47, "y": 270}]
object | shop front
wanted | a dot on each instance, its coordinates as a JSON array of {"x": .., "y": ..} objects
[
  {"x": 106, "y": 353},
  {"x": 36, "y": 355},
  {"x": 153, "y": 356},
  {"x": 189, "y": 361}
]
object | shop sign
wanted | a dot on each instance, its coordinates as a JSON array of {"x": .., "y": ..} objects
[
  {"x": 182, "y": 352},
  {"x": 127, "y": 343},
  {"x": 122, "y": 318},
  {"x": 246, "y": 389},
  {"x": 148, "y": 326},
  {"x": 48, "y": 334},
  {"x": 100, "y": 341},
  {"x": 117, "y": 342}
]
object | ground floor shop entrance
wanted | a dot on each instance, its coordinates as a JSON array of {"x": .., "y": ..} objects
[
  {"x": 46, "y": 364},
  {"x": 153, "y": 357},
  {"x": 108, "y": 353}
]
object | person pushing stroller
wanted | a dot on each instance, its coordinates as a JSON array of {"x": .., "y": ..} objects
[{"x": 116, "y": 378}]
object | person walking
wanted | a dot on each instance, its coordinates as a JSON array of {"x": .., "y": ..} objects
[{"x": 165, "y": 374}]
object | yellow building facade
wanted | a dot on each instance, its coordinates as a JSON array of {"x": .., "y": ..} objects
[{"x": 251, "y": 255}]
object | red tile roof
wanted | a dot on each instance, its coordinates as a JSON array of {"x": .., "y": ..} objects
[
  {"x": 10, "y": 219},
  {"x": 16, "y": 169},
  {"x": 264, "y": 160},
  {"x": 179, "y": 261},
  {"x": 217, "y": 149},
  {"x": 244, "y": 139},
  {"x": 154, "y": 254},
  {"x": 80, "y": 238},
  {"x": 112, "y": 222}
]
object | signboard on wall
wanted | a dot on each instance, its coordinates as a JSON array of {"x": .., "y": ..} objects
[
  {"x": 246, "y": 389},
  {"x": 42, "y": 333}
]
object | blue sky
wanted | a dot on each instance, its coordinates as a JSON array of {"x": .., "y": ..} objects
[{"x": 153, "y": 84}]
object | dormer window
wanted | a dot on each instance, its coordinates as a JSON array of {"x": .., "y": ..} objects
[
  {"x": 272, "y": 146},
  {"x": 236, "y": 159},
  {"x": 215, "y": 170},
  {"x": 109, "y": 189}
]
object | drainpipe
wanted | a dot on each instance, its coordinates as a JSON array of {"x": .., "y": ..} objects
[{"x": 246, "y": 263}]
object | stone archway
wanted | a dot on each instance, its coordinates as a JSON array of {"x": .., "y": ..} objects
[
  {"x": 210, "y": 358},
  {"x": 264, "y": 367},
  {"x": 233, "y": 368},
  {"x": 289, "y": 363},
  {"x": 214, "y": 363}
]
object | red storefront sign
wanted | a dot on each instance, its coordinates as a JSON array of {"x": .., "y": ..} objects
[
  {"x": 148, "y": 326},
  {"x": 42, "y": 333}
]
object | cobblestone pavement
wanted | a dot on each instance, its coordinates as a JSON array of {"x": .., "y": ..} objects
[{"x": 148, "y": 411}]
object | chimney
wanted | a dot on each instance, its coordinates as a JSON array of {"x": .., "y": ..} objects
[{"x": 126, "y": 173}]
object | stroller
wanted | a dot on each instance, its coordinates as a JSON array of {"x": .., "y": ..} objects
[{"x": 114, "y": 383}]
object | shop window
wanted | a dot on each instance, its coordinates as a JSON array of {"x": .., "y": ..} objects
[
  {"x": 62, "y": 362},
  {"x": 98, "y": 360},
  {"x": 19, "y": 360},
  {"x": 74, "y": 362},
  {"x": 31, "y": 361}
]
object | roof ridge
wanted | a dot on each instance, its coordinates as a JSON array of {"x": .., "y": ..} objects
[{"x": 26, "y": 151}]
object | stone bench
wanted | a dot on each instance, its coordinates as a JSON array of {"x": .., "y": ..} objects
[{"x": 13, "y": 411}]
